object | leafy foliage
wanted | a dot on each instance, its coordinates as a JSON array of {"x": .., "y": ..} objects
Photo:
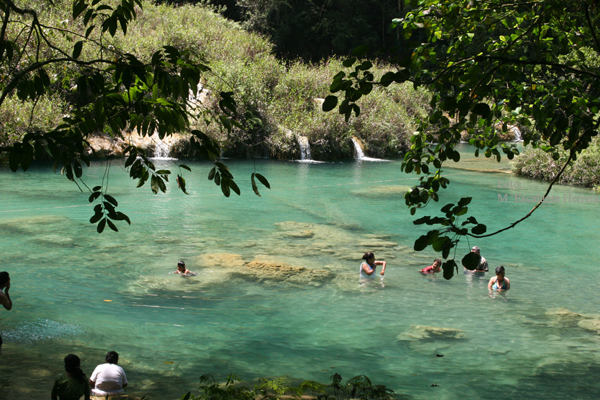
[
  {"x": 492, "y": 65},
  {"x": 359, "y": 387},
  {"x": 112, "y": 91}
]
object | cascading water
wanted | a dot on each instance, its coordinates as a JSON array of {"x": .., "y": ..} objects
[
  {"x": 161, "y": 149},
  {"x": 360, "y": 155},
  {"x": 304, "y": 148},
  {"x": 517, "y": 133},
  {"x": 358, "y": 152}
]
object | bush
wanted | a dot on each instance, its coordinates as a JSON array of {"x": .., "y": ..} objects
[{"x": 584, "y": 171}]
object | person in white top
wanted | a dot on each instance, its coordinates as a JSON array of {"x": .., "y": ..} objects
[
  {"x": 368, "y": 267},
  {"x": 108, "y": 378}
]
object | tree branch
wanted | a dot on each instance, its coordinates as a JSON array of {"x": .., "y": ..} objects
[{"x": 571, "y": 153}]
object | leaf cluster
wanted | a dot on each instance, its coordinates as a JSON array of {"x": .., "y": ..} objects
[{"x": 492, "y": 65}]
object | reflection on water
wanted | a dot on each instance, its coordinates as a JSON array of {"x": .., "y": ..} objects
[{"x": 277, "y": 291}]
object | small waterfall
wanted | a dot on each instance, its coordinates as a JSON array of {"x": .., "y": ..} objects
[
  {"x": 358, "y": 152},
  {"x": 516, "y": 133},
  {"x": 161, "y": 149},
  {"x": 304, "y": 148},
  {"x": 360, "y": 155}
]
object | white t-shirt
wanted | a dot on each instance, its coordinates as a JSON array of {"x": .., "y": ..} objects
[{"x": 109, "y": 379}]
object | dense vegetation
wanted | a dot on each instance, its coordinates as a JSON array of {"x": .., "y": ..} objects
[
  {"x": 585, "y": 171},
  {"x": 276, "y": 101}
]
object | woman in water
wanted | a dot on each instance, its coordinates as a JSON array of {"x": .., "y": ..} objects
[
  {"x": 367, "y": 268},
  {"x": 74, "y": 384},
  {"x": 499, "y": 282}
]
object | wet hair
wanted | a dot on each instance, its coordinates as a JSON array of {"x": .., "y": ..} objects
[
  {"x": 112, "y": 357},
  {"x": 368, "y": 255},
  {"x": 438, "y": 261},
  {"x": 73, "y": 367},
  {"x": 3, "y": 277},
  {"x": 181, "y": 263},
  {"x": 499, "y": 270},
  {"x": 475, "y": 248}
]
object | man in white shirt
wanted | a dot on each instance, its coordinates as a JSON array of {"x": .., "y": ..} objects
[{"x": 108, "y": 378}]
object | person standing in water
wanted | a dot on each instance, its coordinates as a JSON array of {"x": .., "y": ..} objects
[
  {"x": 499, "y": 282},
  {"x": 368, "y": 267},
  {"x": 4, "y": 296}
]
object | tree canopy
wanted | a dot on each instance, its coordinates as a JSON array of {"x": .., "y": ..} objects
[
  {"x": 111, "y": 91},
  {"x": 491, "y": 65}
]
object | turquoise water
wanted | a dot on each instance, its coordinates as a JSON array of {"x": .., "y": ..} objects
[{"x": 75, "y": 291}]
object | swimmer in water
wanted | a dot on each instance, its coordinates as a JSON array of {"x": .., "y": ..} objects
[
  {"x": 368, "y": 267},
  {"x": 436, "y": 267},
  {"x": 182, "y": 270},
  {"x": 499, "y": 282}
]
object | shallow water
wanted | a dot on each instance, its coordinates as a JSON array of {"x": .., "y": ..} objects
[{"x": 75, "y": 291}]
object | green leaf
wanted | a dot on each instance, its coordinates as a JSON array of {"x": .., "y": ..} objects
[
  {"x": 448, "y": 269},
  {"x": 234, "y": 187},
  {"x": 471, "y": 261},
  {"x": 330, "y": 103},
  {"x": 263, "y": 180},
  {"x": 95, "y": 218},
  {"x": 185, "y": 167},
  {"x": 101, "y": 225},
  {"x": 79, "y": 6},
  {"x": 111, "y": 199},
  {"x": 111, "y": 225},
  {"x": 211, "y": 174},
  {"x": 479, "y": 229},
  {"x": 349, "y": 62},
  {"x": 77, "y": 49},
  {"x": 254, "y": 186},
  {"x": 421, "y": 243}
]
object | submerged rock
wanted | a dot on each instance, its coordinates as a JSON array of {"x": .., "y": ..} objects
[
  {"x": 590, "y": 325},
  {"x": 421, "y": 332},
  {"x": 278, "y": 272},
  {"x": 226, "y": 260}
]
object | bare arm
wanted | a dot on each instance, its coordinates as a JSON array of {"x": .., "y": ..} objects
[
  {"x": 491, "y": 282},
  {"x": 5, "y": 298},
  {"x": 367, "y": 269},
  {"x": 381, "y": 263}
]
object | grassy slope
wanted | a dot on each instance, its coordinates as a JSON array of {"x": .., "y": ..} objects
[{"x": 281, "y": 94}]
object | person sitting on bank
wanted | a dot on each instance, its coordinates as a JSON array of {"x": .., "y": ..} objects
[
  {"x": 74, "y": 384},
  {"x": 368, "y": 267},
  {"x": 181, "y": 269},
  {"x": 108, "y": 378},
  {"x": 4, "y": 296},
  {"x": 436, "y": 267},
  {"x": 499, "y": 282},
  {"x": 483, "y": 264}
]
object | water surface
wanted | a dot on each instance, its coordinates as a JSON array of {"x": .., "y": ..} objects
[{"x": 75, "y": 291}]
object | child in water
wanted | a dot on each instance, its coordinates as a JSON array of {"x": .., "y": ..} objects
[
  {"x": 436, "y": 267},
  {"x": 182, "y": 270}
]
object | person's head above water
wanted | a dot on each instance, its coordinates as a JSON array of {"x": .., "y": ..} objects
[
  {"x": 475, "y": 249},
  {"x": 112, "y": 357},
  {"x": 500, "y": 270},
  {"x": 3, "y": 278},
  {"x": 181, "y": 265},
  {"x": 368, "y": 256}
]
